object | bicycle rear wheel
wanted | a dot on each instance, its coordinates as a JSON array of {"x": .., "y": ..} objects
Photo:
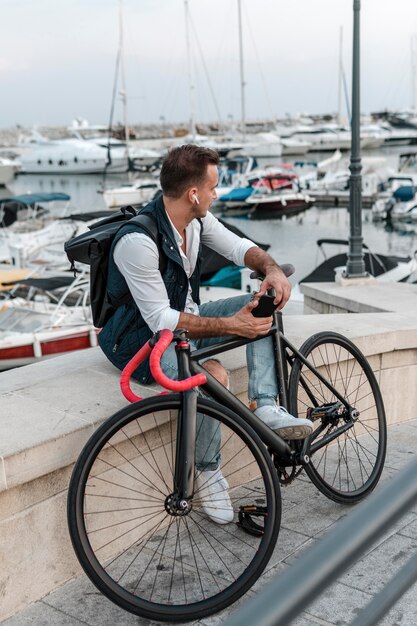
[
  {"x": 142, "y": 557},
  {"x": 347, "y": 456}
]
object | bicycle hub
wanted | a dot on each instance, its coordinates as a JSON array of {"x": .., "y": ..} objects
[{"x": 176, "y": 506}]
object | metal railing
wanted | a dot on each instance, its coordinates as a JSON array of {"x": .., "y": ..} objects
[{"x": 290, "y": 593}]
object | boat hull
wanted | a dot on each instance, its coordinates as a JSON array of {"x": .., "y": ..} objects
[
  {"x": 7, "y": 172},
  {"x": 33, "y": 352},
  {"x": 121, "y": 197},
  {"x": 280, "y": 205}
]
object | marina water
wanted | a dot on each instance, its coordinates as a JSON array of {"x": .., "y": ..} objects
[{"x": 292, "y": 238}]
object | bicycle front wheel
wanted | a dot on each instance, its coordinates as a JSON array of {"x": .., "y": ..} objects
[
  {"x": 347, "y": 455},
  {"x": 142, "y": 556}
]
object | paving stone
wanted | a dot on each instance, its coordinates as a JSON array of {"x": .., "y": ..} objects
[
  {"x": 219, "y": 618},
  {"x": 339, "y": 604},
  {"x": 82, "y": 601},
  {"x": 268, "y": 575},
  {"x": 404, "y": 612},
  {"x": 409, "y": 530},
  {"x": 301, "y": 490},
  {"x": 401, "y": 448},
  {"x": 40, "y": 614},
  {"x": 309, "y": 620},
  {"x": 289, "y": 542},
  {"x": 320, "y": 513},
  {"x": 377, "y": 567}
]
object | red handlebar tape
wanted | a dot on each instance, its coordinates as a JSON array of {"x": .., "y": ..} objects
[{"x": 165, "y": 338}]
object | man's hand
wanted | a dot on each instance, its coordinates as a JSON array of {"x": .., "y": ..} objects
[
  {"x": 241, "y": 324},
  {"x": 258, "y": 259},
  {"x": 244, "y": 324},
  {"x": 276, "y": 279}
]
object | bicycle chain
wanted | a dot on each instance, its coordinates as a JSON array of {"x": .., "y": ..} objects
[
  {"x": 286, "y": 475},
  {"x": 286, "y": 478}
]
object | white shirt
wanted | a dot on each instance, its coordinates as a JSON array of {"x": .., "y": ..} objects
[{"x": 137, "y": 258}]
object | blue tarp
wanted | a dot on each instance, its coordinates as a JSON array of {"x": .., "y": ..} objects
[
  {"x": 36, "y": 198},
  {"x": 405, "y": 193},
  {"x": 226, "y": 277},
  {"x": 237, "y": 195}
]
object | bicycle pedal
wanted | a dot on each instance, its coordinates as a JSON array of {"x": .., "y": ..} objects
[
  {"x": 246, "y": 521},
  {"x": 326, "y": 410}
]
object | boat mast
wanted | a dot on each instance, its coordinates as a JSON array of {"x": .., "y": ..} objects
[
  {"x": 123, "y": 93},
  {"x": 413, "y": 72},
  {"x": 191, "y": 85},
  {"x": 242, "y": 77}
]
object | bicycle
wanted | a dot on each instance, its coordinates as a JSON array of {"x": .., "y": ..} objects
[{"x": 134, "y": 511}]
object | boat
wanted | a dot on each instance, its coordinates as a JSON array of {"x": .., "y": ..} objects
[
  {"x": 278, "y": 194},
  {"x": 242, "y": 185},
  {"x": 26, "y": 208},
  {"x": 69, "y": 156},
  {"x": 8, "y": 169},
  {"x": 324, "y": 138},
  {"x": 44, "y": 246},
  {"x": 400, "y": 191},
  {"x": 404, "y": 211},
  {"x": 259, "y": 145},
  {"x": 234, "y": 174},
  {"x": 295, "y": 146},
  {"x": 385, "y": 268},
  {"x": 234, "y": 201},
  {"x": 140, "y": 191},
  {"x": 277, "y": 203},
  {"x": 37, "y": 329}
]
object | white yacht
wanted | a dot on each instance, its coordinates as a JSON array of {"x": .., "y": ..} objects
[
  {"x": 69, "y": 156},
  {"x": 138, "y": 192},
  {"x": 260, "y": 145},
  {"x": 324, "y": 138}
]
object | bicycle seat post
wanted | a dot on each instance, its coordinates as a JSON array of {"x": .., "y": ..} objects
[
  {"x": 186, "y": 427},
  {"x": 280, "y": 359}
]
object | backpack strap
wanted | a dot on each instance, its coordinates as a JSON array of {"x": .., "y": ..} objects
[{"x": 148, "y": 225}]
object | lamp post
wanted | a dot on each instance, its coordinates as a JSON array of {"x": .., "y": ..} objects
[{"x": 355, "y": 266}]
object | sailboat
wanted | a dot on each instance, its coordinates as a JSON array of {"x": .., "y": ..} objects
[{"x": 139, "y": 159}]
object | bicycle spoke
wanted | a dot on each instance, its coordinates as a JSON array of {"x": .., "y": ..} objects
[
  {"x": 142, "y": 546},
  {"x": 347, "y": 465}
]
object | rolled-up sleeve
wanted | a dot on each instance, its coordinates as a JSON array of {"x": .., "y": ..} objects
[
  {"x": 137, "y": 258},
  {"x": 219, "y": 238}
]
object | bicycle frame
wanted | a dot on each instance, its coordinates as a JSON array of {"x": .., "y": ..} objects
[{"x": 286, "y": 453}]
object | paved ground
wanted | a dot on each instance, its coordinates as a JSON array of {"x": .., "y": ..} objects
[{"x": 307, "y": 516}]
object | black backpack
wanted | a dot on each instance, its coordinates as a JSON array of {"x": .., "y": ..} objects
[{"x": 93, "y": 249}]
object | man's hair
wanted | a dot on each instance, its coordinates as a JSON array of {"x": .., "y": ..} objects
[{"x": 184, "y": 167}]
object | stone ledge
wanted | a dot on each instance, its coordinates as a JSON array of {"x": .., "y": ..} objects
[
  {"x": 373, "y": 297},
  {"x": 52, "y": 407}
]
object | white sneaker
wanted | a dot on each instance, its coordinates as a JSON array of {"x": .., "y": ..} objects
[
  {"x": 211, "y": 493},
  {"x": 285, "y": 424}
]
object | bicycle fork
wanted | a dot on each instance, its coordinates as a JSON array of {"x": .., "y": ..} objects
[{"x": 179, "y": 502}]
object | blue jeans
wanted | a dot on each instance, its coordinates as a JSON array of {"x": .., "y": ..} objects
[{"x": 262, "y": 378}]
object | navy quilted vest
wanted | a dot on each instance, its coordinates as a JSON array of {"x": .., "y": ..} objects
[{"x": 126, "y": 331}]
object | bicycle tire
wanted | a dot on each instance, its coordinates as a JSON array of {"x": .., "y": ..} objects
[
  {"x": 349, "y": 467},
  {"x": 86, "y": 502}
]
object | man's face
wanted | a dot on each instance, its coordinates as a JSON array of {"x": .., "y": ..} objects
[{"x": 206, "y": 193}]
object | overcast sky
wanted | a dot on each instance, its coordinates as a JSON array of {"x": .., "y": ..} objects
[{"x": 57, "y": 58}]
